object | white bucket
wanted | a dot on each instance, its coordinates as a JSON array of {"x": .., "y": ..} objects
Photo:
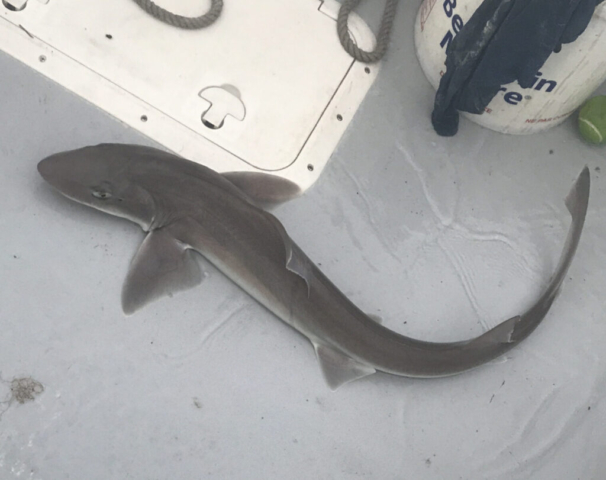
[{"x": 565, "y": 81}]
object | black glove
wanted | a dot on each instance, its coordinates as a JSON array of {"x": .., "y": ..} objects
[{"x": 504, "y": 41}]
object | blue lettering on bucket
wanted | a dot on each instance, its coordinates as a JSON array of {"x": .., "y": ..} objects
[
  {"x": 456, "y": 22},
  {"x": 457, "y": 25},
  {"x": 514, "y": 98},
  {"x": 449, "y": 6}
]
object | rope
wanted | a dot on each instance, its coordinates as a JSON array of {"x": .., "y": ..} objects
[
  {"x": 382, "y": 39},
  {"x": 190, "y": 23},
  {"x": 194, "y": 23}
]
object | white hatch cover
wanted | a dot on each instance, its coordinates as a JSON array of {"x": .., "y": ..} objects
[{"x": 266, "y": 88}]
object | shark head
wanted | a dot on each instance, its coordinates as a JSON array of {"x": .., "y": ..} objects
[{"x": 98, "y": 178}]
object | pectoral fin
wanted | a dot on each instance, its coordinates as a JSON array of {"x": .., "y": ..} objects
[
  {"x": 162, "y": 266},
  {"x": 338, "y": 368}
]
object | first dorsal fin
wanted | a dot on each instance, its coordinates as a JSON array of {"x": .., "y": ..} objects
[{"x": 266, "y": 190}]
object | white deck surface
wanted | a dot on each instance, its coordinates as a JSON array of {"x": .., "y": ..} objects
[
  {"x": 441, "y": 237},
  {"x": 270, "y": 76}
]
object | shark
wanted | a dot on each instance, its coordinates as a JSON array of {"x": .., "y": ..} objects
[{"x": 189, "y": 209}]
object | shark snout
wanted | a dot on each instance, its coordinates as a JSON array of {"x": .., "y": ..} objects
[
  {"x": 62, "y": 174},
  {"x": 45, "y": 168},
  {"x": 55, "y": 168}
]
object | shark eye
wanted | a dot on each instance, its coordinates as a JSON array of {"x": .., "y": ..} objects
[{"x": 101, "y": 194}]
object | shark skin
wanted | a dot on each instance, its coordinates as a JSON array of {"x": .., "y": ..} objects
[{"x": 186, "y": 208}]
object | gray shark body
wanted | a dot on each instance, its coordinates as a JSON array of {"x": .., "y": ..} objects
[{"x": 186, "y": 208}]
